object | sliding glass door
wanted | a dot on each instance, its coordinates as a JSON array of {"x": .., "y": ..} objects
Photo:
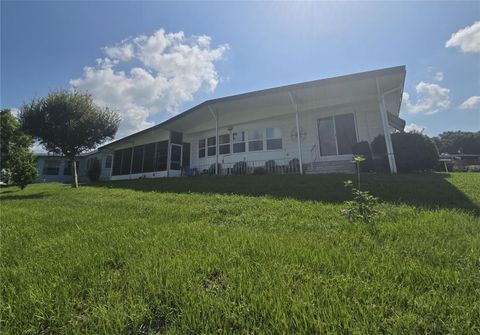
[{"x": 337, "y": 134}]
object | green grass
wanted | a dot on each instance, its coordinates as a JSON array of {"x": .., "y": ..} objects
[{"x": 253, "y": 254}]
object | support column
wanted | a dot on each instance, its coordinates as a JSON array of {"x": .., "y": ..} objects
[
  {"x": 299, "y": 142},
  {"x": 215, "y": 116},
  {"x": 386, "y": 130}
]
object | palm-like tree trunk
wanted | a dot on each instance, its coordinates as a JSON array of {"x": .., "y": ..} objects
[{"x": 74, "y": 173}]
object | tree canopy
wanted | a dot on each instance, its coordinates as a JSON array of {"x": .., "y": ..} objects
[
  {"x": 454, "y": 142},
  {"x": 69, "y": 123},
  {"x": 17, "y": 161}
]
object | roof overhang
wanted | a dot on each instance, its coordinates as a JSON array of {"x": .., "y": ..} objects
[{"x": 347, "y": 89}]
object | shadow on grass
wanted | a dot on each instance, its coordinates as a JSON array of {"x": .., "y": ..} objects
[
  {"x": 21, "y": 196},
  {"x": 423, "y": 190}
]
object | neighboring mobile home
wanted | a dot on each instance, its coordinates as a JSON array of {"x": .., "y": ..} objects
[{"x": 308, "y": 128}]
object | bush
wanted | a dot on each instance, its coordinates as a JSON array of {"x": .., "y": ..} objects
[
  {"x": 259, "y": 170},
  {"x": 413, "y": 152},
  {"x": 294, "y": 165},
  {"x": 362, "y": 207},
  {"x": 363, "y": 149},
  {"x": 240, "y": 168},
  {"x": 270, "y": 166},
  {"x": 95, "y": 170},
  {"x": 211, "y": 169}
]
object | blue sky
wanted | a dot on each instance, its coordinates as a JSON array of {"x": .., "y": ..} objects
[{"x": 150, "y": 71}]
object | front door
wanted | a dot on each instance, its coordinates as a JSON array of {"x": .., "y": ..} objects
[{"x": 176, "y": 157}]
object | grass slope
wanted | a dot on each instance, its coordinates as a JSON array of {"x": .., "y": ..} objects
[{"x": 253, "y": 254}]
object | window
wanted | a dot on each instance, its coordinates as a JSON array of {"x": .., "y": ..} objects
[
  {"x": 176, "y": 137},
  {"x": 162, "y": 156},
  {"x": 51, "y": 167},
  {"x": 201, "y": 148},
  {"x": 137, "y": 159},
  {"x": 238, "y": 139},
  {"x": 67, "y": 168},
  {"x": 108, "y": 162},
  {"x": 186, "y": 155},
  {"x": 126, "y": 160},
  {"x": 117, "y": 162},
  {"x": 224, "y": 144},
  {"x": 175, "y": 157},
  {"x": 211, "y": 146},
  {"x": 346, "y": 134},
  {"x": 255, "y": 140},
  {"x": 149, "y": 157},
  {"x": 274, "y": 139},
  {"x": 337, "y": 135}
]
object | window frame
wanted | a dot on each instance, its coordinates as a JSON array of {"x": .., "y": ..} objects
[
  {"x": 332, "y": 117},
  {"x": 260, "y": 131},
  {"x": 276, "y": 139}
]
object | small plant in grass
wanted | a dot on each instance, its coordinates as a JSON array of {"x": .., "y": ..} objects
[{"x": 362, "y": 207}]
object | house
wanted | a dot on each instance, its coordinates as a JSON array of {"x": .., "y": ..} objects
[
  {"x": 56, "y": 168},
  {"x": 305, "y": 128}
]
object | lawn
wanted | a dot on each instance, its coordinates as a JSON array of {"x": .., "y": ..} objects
[{"x": 247, "y": 254}]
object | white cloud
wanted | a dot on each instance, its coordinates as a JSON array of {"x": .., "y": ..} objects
[
  {"x": 431, "y": 98},
  {"x": 414, "y": 128},
  {"x": 471, "y": 103},
  {"x": 152, "y": 75},
  {"x": 467, "y": 39},
  {"x": 438, "y": 76}
]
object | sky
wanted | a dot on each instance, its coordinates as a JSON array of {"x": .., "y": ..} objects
[{"x": 152, "y": 60}]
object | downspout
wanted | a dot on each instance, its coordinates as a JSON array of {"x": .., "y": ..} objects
[
  {"x": 386, "y": 131},
  {"x": 299, "y": 144},
  {"x": 215, "y": 116}
]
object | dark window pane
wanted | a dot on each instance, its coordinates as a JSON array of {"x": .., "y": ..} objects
[
  {"x": 224, "y": 139},
  {"x": 175, "y": 157},
  {"x": 108, "y": 162},
  {"x": 67, "y": 168},
  {"x": 255, "y": 145},
  {"x": 211, "y": 141},
  {"x": 117, "y": 162},
  {"x": 224, "y": 149},
  {"x": 126, "y": 160},
  {"x": 51, "y": 167},
  {"x": 201, "y": 153},
  {"x": 162, "y": 156},
  {"x": 238, "y": 147},
  {"x": 346, "y": 134},
  {"x": 186, "y": 155},
  {"x": 176, "y": 137},
  {"x": 148, "y": 157},
  {"x": 137, "y": 159},
  {"x": 211, "y": 151},
  {"x": 326, "y": 134},
  {"x": 274, "y": 144},
  {"x": 201, "y": 143}
]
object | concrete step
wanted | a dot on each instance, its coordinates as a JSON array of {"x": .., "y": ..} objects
[{"x": 330, "y": 167}]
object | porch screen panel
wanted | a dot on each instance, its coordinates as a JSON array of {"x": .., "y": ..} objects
[
  {"x": 238, "y": 141},
  {"x": 224, "y": 144},
  {"x": 67, "y": 168},
  {"x": 126, "y": 160},
  {"x": 346, "y": 133},
  {"x": 186, "y": 154},
  {"x": 162, "y": 156},
  {"x": 137, "y": 159},
  {"x": 326, "y": 134},
  {"x": 176, "y": 137},
  {"x": 117, "y": 162},
  {"x": 148, "y": 157},
  {"x": 175, "y": 157}
]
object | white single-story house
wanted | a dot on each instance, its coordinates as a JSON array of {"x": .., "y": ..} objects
[{"x": 302, "y": 128}]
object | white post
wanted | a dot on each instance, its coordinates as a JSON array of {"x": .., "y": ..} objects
[
  {"x": 386, "y": 130},
  {"x": 299, "y": 144},
  {"x": 215, "y": 116}
]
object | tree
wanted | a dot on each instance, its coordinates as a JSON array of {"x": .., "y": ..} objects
[
  {"x": 454, "y": 142},
  {"x": 17, "y": 161},
  {"x": 69, "y": 123}
]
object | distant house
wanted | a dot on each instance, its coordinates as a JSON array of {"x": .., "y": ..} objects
[
  {"x": 302, "y": 128},
  {"x": 59, "y": 169}
]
